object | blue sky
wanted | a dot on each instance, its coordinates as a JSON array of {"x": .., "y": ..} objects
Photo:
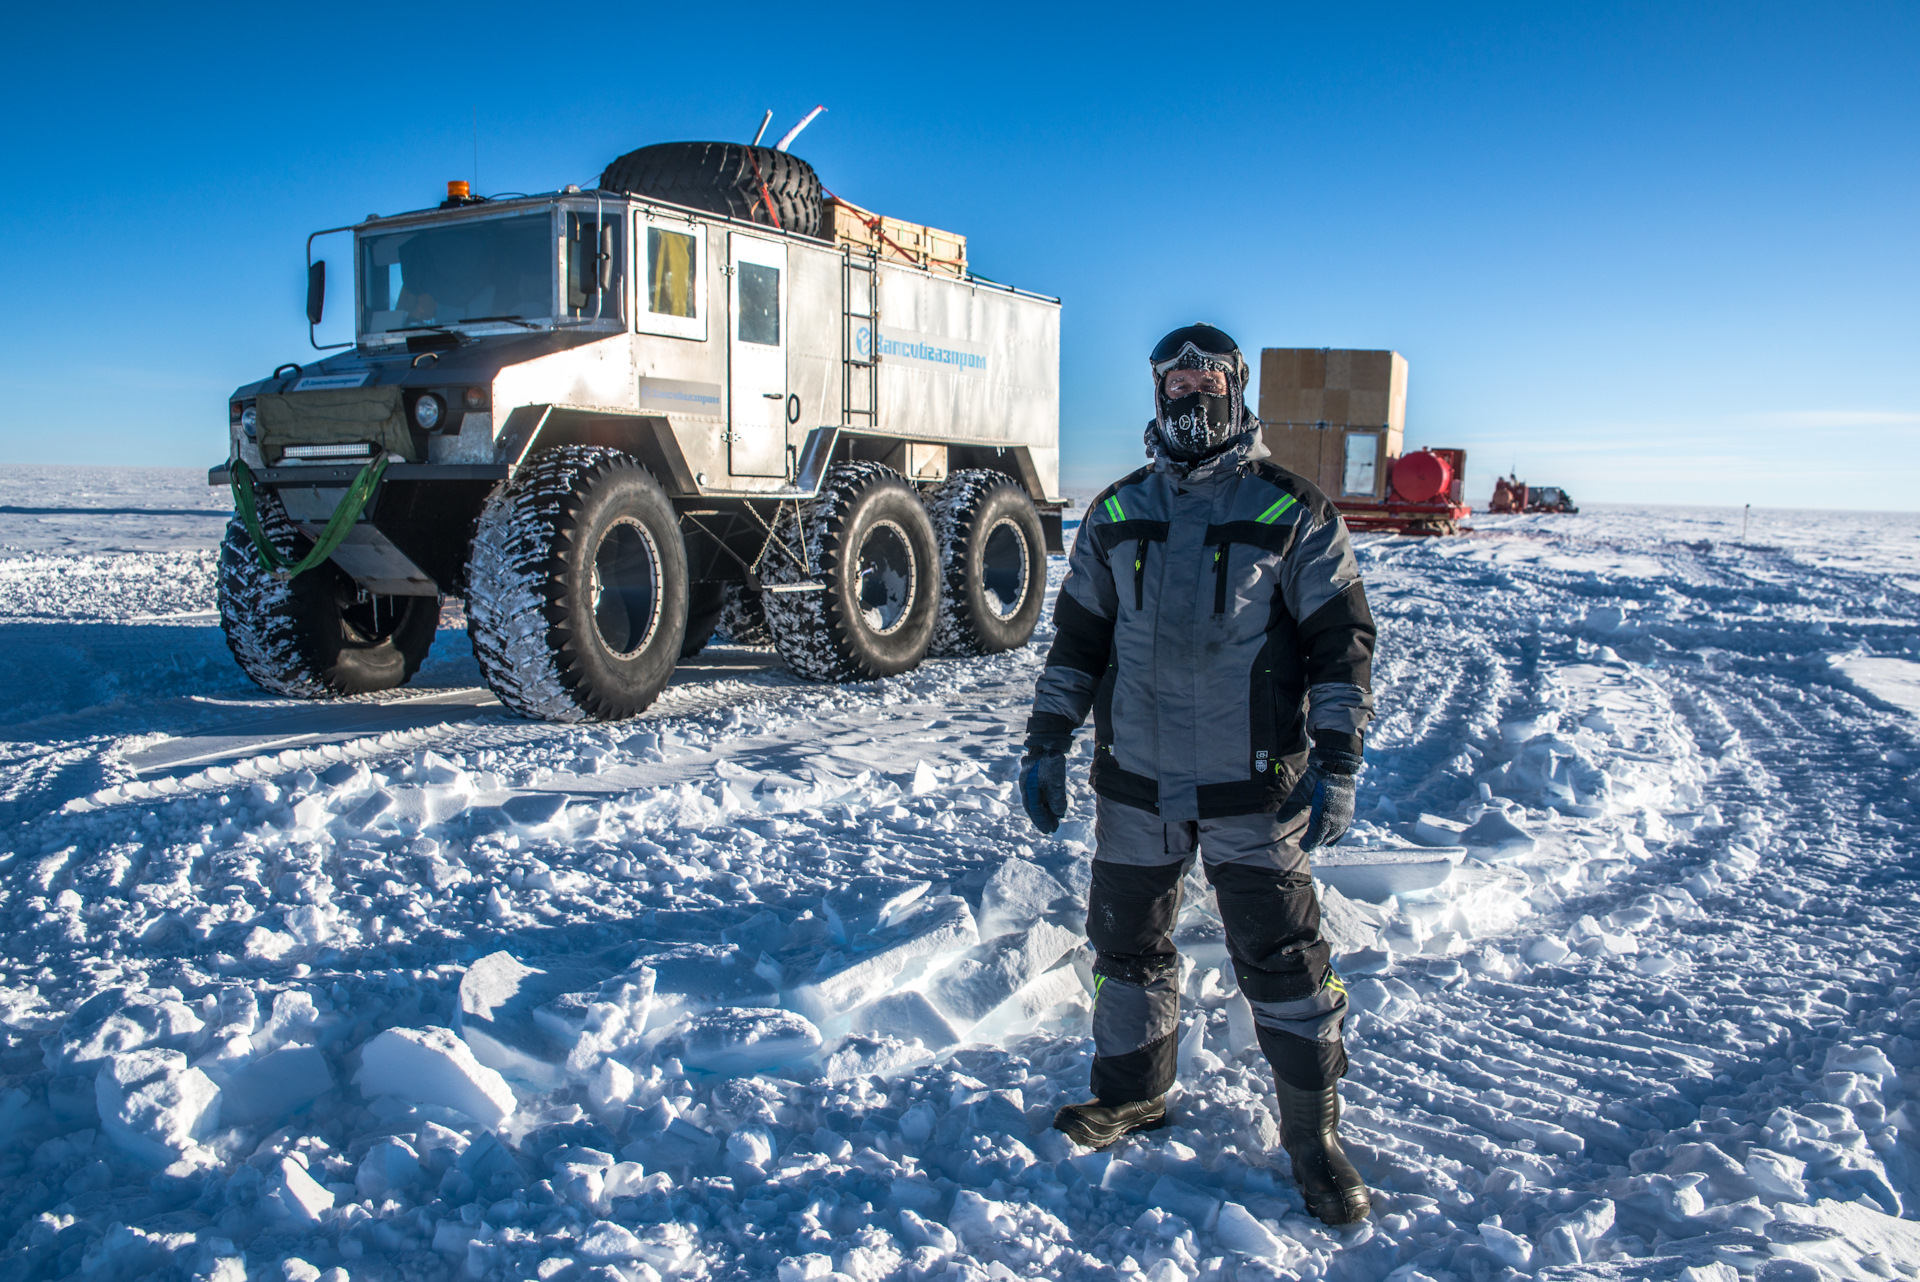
[{"x": 1659, "y": 252}]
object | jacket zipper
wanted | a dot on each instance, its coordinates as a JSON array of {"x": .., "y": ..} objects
[
  {"x": 1140, "y": 576},
  {"x": 1220, "y": 578}
]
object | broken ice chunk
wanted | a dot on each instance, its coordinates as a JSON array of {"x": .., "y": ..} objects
[
  {"x": 1239, "y": 1230},
  {"x": 595, "y": 1025},
  {"x": 1034, "y": 999},
  {"x": 863, "y": 1055},
  {"x": 934, "y": 926},
  {"x": 1548, "y": 950},
  {"x": 156, "y": 1108},
  {"x": 681, "y": 1143},
  {"x": 536, "y": 809},
  {"x": 432, "y": 1066},
  {"x": 1375, "y": 875},
  {"x": 1776, "y": 1174},
  {"x": 275, "y": 1084},
  {"x": 1496, "y": 831},
  {"x": 1018, "y": 894},
  {"x": 115, "y": 1021},
  {"x": 706, "y": 975},
  {"x": 1433, "y": 830},
  {"x": 499, "y": 997},
  {"x": 390, "y": 1166},
  {"x": 993, "y": 971},
  {"x": 1347, "y": 926},
  {"x": 1184, "y": 1200},
  {"x": 292, "y": 1195},
  {"x": 734, "y": 1041},
  {"x": 1860, "y": 1059},
  {"x": 910, "y": 1017},
  {"x": 867, "y": 904},
  {"x": 1390, "y": 999},
  {"x": 370, "y": 812}
]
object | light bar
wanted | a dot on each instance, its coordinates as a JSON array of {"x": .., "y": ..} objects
[{"x": 360, "y": 450}]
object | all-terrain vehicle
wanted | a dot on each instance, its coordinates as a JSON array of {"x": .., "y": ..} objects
[{"x": 613, "y": 421}]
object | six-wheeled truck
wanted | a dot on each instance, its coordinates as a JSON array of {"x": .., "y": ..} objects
[{"x": 700, "y": 397}]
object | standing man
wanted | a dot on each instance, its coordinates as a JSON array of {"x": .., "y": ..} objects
[{"x": 1213, "y": 621}]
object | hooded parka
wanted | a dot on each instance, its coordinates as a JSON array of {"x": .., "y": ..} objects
[
  {"x": 1212, "y": 618},
  {"x": 1214, "y": 624}
]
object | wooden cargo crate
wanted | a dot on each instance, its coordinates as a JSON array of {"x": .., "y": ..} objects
[
  {"x": 895, "y": 241},
  {"x": 1335, "y": 416}
]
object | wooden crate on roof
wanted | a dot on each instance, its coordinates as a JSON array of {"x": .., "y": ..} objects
[{"x": 894, "y": 241}]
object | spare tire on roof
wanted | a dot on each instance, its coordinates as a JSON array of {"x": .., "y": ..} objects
[{"x": 720, "y": 178}]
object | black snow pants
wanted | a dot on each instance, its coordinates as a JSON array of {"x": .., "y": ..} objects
[{"x": 1272, "y": 916}]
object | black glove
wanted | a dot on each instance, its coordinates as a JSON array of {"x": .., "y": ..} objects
[
  {"x": 1325, "y": 789},
  {"x": 1043, "y": 778}
]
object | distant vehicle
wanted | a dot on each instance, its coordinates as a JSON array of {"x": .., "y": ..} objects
[
  {"x": 1510, "y": 495},
  {"x": 699, "y": 396}
]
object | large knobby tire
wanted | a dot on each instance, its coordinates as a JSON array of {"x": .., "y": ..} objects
[
  {"x": 577, "y": 599},
  {"x": 704, "y": 603},
  {"x": 314, "y": 637},
  {"x": 869, "y": 540},
  {"x": 742, "y": 620},
  {"x": 993, "y": 561},
  {"x": 719, "y": 177}
]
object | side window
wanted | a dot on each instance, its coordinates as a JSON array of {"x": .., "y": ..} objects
[
  {"x": 594, "y": 265},
  {"x": 760, "y": 304},
  {"x": 670, "y": 259},
  {"x": 672, "y": 269}
]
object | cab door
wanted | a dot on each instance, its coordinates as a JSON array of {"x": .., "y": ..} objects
[{"x": 756, "y": 357}]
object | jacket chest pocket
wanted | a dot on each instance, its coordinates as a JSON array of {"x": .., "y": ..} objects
[
  {"x": 1244, "y": 554},
  {"x": 1126, "y": 544}
]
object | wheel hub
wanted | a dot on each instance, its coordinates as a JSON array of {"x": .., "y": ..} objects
[
  {"x": 1003, "y": 569},
  {"x": 887, "y": 577},
  {"x": 626, "y": 588}
]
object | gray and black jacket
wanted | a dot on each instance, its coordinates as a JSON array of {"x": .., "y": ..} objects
[{"x": 1212, "y": 619}]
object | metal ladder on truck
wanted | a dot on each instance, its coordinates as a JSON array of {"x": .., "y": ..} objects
[{"x": 859, "y": 339}]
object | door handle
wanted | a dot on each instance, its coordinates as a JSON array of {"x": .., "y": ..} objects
[{"x": 774, "y": 396}]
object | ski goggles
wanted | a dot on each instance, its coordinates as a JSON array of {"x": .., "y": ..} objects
[{"x": 1187, "y": 382}]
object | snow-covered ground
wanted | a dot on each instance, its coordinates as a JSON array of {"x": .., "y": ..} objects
[{"x": 777, "y": 982}]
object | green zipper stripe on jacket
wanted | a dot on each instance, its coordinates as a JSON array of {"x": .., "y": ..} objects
[
  {"x": 1113, "y": 508},
  {"x": 1277, "y": 511}
]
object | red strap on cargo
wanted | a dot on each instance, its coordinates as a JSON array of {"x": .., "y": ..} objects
[
  {"x": 765, "y": 195},
  {"x": 873, "y": 225}
]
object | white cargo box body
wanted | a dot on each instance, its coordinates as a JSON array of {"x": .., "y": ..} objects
[
  {"x": 960, "y": 361},
  {"x": 796, "y": 351}
]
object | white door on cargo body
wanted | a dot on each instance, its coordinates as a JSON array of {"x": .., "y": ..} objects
[
  {"x": 1360, "y": 477},
  {"x": 756, "y": 357}
]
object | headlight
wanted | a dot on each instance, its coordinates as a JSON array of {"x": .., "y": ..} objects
[
  {"x": 250, "y": 423},
  {"x": 475, "y": 398},
  {"x": 427, "y": 412}
]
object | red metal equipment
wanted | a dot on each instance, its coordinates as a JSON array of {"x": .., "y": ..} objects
[
  {"x": 1425, "y": 495},
  {"x": 1509, "y": 495}
]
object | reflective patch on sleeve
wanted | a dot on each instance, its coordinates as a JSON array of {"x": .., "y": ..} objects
[
  {"x": 1113, "y": 508},
  {"x": 1277, "y": 511}
]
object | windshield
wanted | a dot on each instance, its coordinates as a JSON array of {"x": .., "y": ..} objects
[{"x": 489, "y": 269}]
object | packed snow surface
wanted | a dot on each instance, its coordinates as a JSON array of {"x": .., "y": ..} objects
[{"x": 777, "y": 982}]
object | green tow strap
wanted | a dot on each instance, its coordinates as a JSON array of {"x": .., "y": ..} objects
[{"x": 330, "y": 538}]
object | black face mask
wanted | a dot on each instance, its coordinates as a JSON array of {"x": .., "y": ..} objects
[{"x": 1194, "y": 426}]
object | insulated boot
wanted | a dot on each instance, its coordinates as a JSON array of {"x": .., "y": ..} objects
[
  {"x": 1334, "y": 1191},
  {"x": 1096, "y": 1125}
]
